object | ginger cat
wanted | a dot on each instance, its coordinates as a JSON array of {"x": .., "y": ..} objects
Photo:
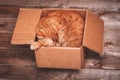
[{"x": 59, "y": 28}]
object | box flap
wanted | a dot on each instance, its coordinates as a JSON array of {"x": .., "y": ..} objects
[
  {"x": 82, "y": 57},
  {"x": 93, "y": 33},
  {"x": 24, "y": 32},
  {"x": 59, "y": 57}
]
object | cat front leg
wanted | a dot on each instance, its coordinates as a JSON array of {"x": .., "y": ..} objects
[
  {"x": 45, "y": 42},
  {"x": 34, "y": 45}
]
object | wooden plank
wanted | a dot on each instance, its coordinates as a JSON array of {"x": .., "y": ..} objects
[
  {"x": 89, "y": 4},
  {"x": 95, "y": 4},
  {"x": 17, "y": 53},
  {"x": 26, "y": 58},
  {"x": 17, "y": 61},
  {"x": 111, "y": 62},
  {"x": 36, "y": 3},
  {"x": 25, "y": 71},
  {"x": 114, "y": 54},
  {"x": 9, "y": 11},
  {"x": 111, "y": 31},
  {"x": 112, "y": 38},
  {"x": 44, "y": 3},
  {"x": 52, "y": 74},
  {"x": 111, "y": 41},
  {"x": 7, "y": 25},
  {"x": 17, "y": 77},
  {"x": 13, "y": 2},
  {"x": 18, "y": 72},
  {"x": 15, "y": 68},
  {"x": 96, "y": 73},
  {"x": 5, "y": 39},
  {"x": 5, "y": 42},
  {"x": 109, "y": 16},
  {"x": 3, "y": 69}
]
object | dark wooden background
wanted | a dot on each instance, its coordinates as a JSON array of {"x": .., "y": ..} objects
[{"x": 18, "y": 62}]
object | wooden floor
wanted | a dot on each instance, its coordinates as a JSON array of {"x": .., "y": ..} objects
[{"x": 18, "y": 62}]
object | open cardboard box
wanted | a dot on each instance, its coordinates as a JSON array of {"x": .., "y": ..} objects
[{"x": 59, "y": 57}]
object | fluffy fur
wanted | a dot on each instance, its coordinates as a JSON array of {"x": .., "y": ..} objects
[{"x": 59, "y": 28}]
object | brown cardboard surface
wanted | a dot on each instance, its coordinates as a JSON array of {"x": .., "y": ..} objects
[
  {"x": 24, "y": 32},
  {"x": 59, "y": 57},
  {"x": 45, "y": 11},
  {"x": 82, "y": 57},
  {"x": 93, "y": 33}
]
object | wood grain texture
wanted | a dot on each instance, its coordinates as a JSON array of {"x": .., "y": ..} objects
[
  {"x": 27, "y": 70},
  {"x": 31, "y": 72},
  {"x": 18, "y": 62},
  {"x": 13, "y": 2},
  {"x": 110, "y": 5},
  {"x": 95, "y": 73},
  {"x": 7, "y": 11},
  {"x": 111, "y": 31},
  {"x": 95, "y": 4},
  {"x": 17, "y": 53},
  {"x": 7, "y": 25},
  {"x": 35, "y": 3},
  {"x": 111, "y": 62}
]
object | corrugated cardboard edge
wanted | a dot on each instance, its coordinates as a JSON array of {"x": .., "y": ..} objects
[
  {"x": 82, "y": 57},
  {"x": 93, "y": 33},
  {"x": 24, "y": 32},
  {"x": 59, "y": 57}
]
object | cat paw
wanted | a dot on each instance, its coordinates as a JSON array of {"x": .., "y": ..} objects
[
  {"x": 34, "y": 46},
  {"x": 57, "y": 45}
]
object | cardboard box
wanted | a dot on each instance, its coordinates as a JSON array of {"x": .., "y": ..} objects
[{"x": 59, "y": 57}]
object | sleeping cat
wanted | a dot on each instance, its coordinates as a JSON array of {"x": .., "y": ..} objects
[{"x": 59, "y": 28}]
